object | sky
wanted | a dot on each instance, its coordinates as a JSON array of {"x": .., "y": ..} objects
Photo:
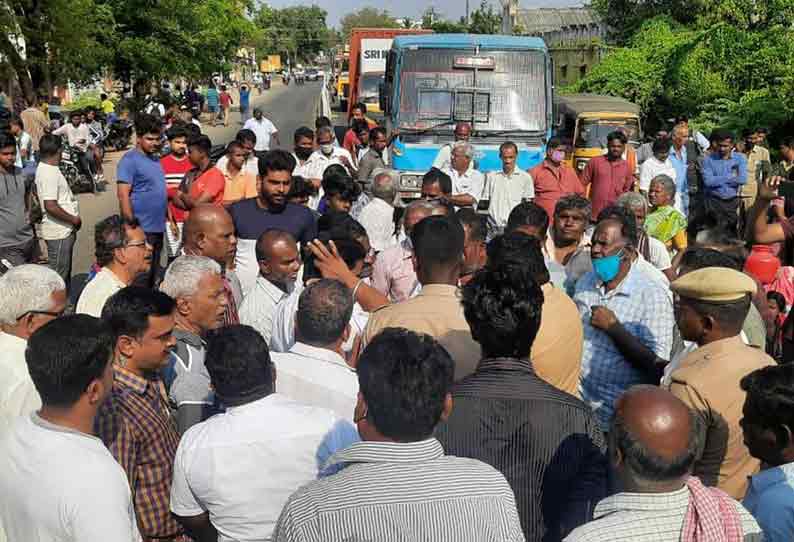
[{"x": 450, "y": 9}]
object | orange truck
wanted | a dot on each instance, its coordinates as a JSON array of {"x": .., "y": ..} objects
[{"x": 369, "y": 48}]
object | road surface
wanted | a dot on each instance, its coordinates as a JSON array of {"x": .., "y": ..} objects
[{"x": 288, "y": 107}]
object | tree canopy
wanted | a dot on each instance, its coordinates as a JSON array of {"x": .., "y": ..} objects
[
  {"x": 367, "y": 18},
  {"x": 296, "y": 31},
  {"x": 722, "y": 62}
]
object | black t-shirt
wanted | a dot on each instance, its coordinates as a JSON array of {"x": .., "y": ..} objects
[{"x": 251, "y": 221}]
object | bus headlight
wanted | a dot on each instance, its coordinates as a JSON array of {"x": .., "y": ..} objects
[{"x": 410, "y": 182}]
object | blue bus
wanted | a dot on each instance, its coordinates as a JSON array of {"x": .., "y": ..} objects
[{"x": 501, "y": 85}]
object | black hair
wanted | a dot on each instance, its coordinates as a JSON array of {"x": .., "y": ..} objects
[
  {"x": 342, "y": 186},
  {"x": 103, "y": 96},
  {"x": 110, "y": 234},
  {"x": 519, "y": 250},
  {"x": 502, "y": 305},
  {"x": 359, "y": 125},
  {"x": 779, "y": 300},
  {"x": 721, "y": 135},
  {"x": 554, "y": 142},
  {"x": 788, "y": 141},
  {"x": 324, "y": 310},
  {"x": 65, "y": 355},
  {"x": 528, "y": 213},
  {"x": 303, "y": 131},
  {"x": 322, "y": 121},
  {"x": 334, "y": 170},
  {"x": 507, "y": 145},
  {"x": 128, "y": 310},
  {"x": 233, "y": 146},
  {"x": 177, "y": 130},
  {"x": 747, "y": 132},
  {"x": 239, "y": 364},
  {"x": 202, "y": 142},
  {"x": 699, "y": 257},
  {"x": 404, "y": 377},
  {"x": 434, "y": 176},
  {"x": 770, "y": 398},
  {"x": 50, "y": 145},
  {"x": 474, "y": 222},
  {"x": 376, "y": 131},
  {"x": 246, "y": 135},
  {"x": 730, "y": 315},
  {"x": 627, "y": 220},
  {"x": 574, "y": 202},
  {"x": 661, "y": 145},
  {"x": 350, "y": 250},
  {"x": 438, "y": 241},
  {"x": 17, "y": 121},
  {"x": 76, "y": 113},
  {"x": 361, "y": 106},
  {"x": 300, "y": 188},
  {"x": 336, "y": 225},
  {"x": 276, "y": 160},
  {"x": 617, "y": 134},
  {"x": 147, "y": 124},
  {"x": 645, "y": 463},
  {"x": 192, "y": 130},
  {"x": 7, "y": 140}
]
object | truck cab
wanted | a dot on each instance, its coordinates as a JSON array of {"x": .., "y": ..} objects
[{"x": 500, "y": 85}]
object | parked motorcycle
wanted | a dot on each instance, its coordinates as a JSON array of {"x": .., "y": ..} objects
[
  {"x": 79, "y": 181},
  {"x": 118, "y": 135}
]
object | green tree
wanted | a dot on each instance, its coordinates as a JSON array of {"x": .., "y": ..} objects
[
  {"x": 294, "y": 31},
  {"x": 367, "y": 18},
  {"x": 52, "y": 41},
  {"x": 484, "y": 20}
]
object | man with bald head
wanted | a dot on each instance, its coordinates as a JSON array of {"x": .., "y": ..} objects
[
  {"x": 279, "y": 262},
  {"x": 393, "y": 272},
  {"x": 209, "y": 231},
  {"x": 444, "y": 158},
  {"x": 653, "y": 443}
]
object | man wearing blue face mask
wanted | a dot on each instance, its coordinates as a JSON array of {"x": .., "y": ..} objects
[{"x": 627, "y": 318}]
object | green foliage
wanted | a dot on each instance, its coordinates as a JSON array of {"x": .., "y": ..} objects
[
  {"x": 484, "y": 20},
  {"x": 367, "y": 18},
  {"x": 298, "y": 30},
  {"x": 715, "y": 64},
  {"x": 449, "y": 27}
]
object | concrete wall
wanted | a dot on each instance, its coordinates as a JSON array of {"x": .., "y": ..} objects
[{"x": 573, "y": 62}]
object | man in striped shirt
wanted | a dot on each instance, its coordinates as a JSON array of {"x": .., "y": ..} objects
[
  {"x": 135, "y": 423},
  {"x": 398, "y": 484}
]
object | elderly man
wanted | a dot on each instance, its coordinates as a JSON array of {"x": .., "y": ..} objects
[
  {"x": 467, "y": 182},
  {"x": 375, "y": 158},
  {"x": 279, "y": 263},
  {"x": 377, "y": 216},
  {"x": 326, "y": 155},
  {"x": 398, "y": 484},
  {"x": 443, "y": 159},
  {"x": 506, "y": 188},
  {"x": 711, "y": 308},
  {"x": 30, "y": 296},
  {"x": 209, "y": 232},
  {"x": 196, "y": 284},
  {"x": 550, "y": 447},
  {"x": 627, "y": 318},
  {"x": 313, "y": 371},
  {"x": 437, "y": 243},
  {"x": 123, "y": 253},
  {"x": 554, "y": 178},
  {"x": 653, "y": 443},
  {"x": 393, "y": 273}
]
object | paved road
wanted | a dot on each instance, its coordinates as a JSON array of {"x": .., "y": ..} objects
[{"x": 288, "y": 107}]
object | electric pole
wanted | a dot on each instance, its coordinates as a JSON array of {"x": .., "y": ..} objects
[{"x": 468, "y": 22}]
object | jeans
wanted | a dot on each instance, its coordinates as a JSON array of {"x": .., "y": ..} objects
[
  {"x": 59, "y": 256},
  {"x": 84, "y": 162}
]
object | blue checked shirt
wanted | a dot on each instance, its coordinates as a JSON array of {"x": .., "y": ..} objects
[{"x": 644, "y": 308}]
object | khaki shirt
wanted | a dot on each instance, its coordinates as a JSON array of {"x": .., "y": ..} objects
[
  {"x": 557, "y": 351},
  {"x": 750, "y": 189},
  {"x": 437, "y": 312},
  {"x": 708, "y": 381}
]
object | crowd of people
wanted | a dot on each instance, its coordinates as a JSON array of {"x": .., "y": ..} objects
[{"x": 283, "y": 346}]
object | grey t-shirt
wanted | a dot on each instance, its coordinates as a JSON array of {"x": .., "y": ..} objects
[
  {"x": 15, "y": 228},
  {"x": 190, "y": 391}
]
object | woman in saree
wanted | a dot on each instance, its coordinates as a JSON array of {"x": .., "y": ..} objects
[{"x": 665, "y": 222}]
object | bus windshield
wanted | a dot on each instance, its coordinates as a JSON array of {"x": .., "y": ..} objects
[{"x": 509, "y": 96}]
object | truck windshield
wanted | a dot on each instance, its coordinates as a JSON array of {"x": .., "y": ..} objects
[
  {"x": 510, "y": 97},
  {"x": 369, "y": 89},
  {"x": 593, "y": 132}
]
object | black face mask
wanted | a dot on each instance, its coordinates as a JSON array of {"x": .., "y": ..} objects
[{"x": 303, "y": 153}]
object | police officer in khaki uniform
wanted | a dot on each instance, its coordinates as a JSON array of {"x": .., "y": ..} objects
[{"x": 711, "y": 305}]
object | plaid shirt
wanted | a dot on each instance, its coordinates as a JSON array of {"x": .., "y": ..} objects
[
  {"x": 136, "y": 426},
  {"x": 644, "y": 308}
]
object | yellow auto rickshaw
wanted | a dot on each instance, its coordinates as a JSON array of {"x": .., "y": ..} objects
[{"x": 584, "y": 121}]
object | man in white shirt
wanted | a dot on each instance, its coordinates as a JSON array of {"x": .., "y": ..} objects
[
  {"x": 61, "y": 216},
  {"x": 234, "y": 472},
  {"x": 78, "y": 136},
  {"x": 30, "y": 296},
  {"x": 658, "y": 164},
  {"x": 264, "y": 130},
  {"x": 24, "y": 142},
  {"x": 505, "y": 189},
  {"x": 57, "y": 480},
  {"x": 123, "y": 253},
  {"x": 303, "y": 149},
  {"x": 467, "y": 182},
  {"x": 279, "y": 262},
  {"x": 377, "y": 216},
  {"x": 314, "y": 372},
  {"x": 323, "y": 157},
  {"x": 443, "y": 160}
]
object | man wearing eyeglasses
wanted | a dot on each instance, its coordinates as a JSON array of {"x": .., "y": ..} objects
[
  {"x": 123, "y": 253},
  {"x": 30, "y": 296}
]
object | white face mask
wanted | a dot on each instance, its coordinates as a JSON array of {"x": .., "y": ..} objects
[{"x": 327, "y": 149}]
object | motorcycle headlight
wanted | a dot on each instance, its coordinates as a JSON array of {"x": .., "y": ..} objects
[{"x": 410, "y": 182}]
